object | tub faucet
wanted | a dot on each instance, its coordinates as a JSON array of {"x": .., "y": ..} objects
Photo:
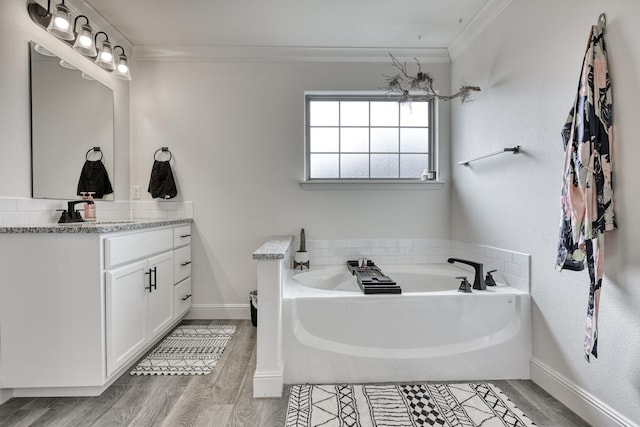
[{"x": 478, "y": 283}]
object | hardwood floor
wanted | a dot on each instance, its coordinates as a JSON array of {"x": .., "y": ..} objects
[{"x": 220, "y": 399}]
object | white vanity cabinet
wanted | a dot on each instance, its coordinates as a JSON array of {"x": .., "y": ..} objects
[{"x": 78, "y": 308}]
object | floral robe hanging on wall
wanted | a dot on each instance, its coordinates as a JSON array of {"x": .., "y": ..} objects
[{"x": 587, "y": 191}]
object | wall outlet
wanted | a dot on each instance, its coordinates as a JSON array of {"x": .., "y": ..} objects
[{"x": 135, "y": 192}]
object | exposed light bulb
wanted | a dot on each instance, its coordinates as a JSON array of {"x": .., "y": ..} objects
[
  {"x": 85, "y": 40},
  {"x": 61, "y": 23},
  {"x": 123, "y": 68},
  {"x": 106, "y": 56}
]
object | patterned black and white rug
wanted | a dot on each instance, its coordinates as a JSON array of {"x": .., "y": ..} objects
[
  {"x": 414, "y": 405},
  {"x": 187, "y": 350}
]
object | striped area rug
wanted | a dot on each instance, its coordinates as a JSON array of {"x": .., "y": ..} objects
[
  {"x": 187, "y": 350},
  {"x": 414, "y": 405}
]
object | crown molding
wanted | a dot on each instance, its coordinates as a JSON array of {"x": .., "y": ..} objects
[
  {"x": 478, "y": 24},
  {"x": 285, "y": 54}
]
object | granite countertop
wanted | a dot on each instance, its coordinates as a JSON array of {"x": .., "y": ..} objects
[
  {"x": 275, "y": 248},
  {"x": 104, "y": 226}
]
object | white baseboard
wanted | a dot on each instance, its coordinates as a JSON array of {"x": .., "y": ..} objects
[
  {"x": 5, "y": 394},
  {"x": 580, "y": 401},
  {"x": 268, "y": 383},
  {"x": 219, "y": 311}
]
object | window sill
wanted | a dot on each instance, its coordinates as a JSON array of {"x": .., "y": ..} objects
[{"x": 336, "y": 184}]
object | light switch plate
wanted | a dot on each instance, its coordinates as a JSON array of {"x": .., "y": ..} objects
[{"x": 135, "y": 192}]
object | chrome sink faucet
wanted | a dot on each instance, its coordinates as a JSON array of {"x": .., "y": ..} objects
[{"x": 478, "y": 282}]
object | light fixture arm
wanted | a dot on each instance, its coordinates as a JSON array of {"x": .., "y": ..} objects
[
  {"x": 115, "y": 47},
  {"x": 95, "y": 38},
  {"x": 75, "y": 21}
]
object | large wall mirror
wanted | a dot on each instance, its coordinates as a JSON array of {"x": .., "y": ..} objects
[{"x": 70, "y": 115}]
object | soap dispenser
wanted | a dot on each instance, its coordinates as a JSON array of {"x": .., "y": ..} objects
[
  {"x": 85, "y": 213},
  {"x": 90, "y": 208}
]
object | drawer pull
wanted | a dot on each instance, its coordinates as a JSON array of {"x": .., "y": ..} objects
[
  {"x": 186, "y": 297},
  {"x": 184, "y": 236},
  {"x": 184, "y": 264}
]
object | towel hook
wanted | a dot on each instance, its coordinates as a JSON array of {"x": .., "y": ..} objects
[
  {"x": 602, "y": 20},
  {"x": 95, "y": 150},
  {"x": 164, "y": 150}
]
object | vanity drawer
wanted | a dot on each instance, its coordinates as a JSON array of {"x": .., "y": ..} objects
[
  {"x": 182, "y": 263},
  {"x": 181, "y": 236},
  {"x": 182, "y": 294},
  {"x": 130, "y": 247}
]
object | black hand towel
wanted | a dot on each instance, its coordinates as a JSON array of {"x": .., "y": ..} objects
[
  {"x": 94, "y": 177},
  {"x": 161, "y": 183}
]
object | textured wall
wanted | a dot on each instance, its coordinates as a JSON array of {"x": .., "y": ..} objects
[{"x": 527, "y": 63}]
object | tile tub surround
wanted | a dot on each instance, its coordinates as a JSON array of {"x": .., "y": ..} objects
[
  {"x": 26, "y": 211},
  {"x": 513, "y": 267}
]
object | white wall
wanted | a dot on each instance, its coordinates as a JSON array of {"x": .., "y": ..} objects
[
  {"x": 527, "y": 63},
  {"x": 236, "y": 131}
]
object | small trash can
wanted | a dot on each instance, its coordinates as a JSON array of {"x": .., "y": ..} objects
[{"x": 253, "y": 303}]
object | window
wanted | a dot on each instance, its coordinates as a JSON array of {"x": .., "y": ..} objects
[{"x": 367, "y": 137}]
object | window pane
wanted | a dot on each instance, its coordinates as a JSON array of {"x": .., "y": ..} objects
[
  {"x": 354, "y": 113},
  {"x": 414, "y": 140},
  {"x": 354, "y": 140},
  {"x": 354, "y": 166},
  {"x": 323, "y": 166},
  {"x": 384, "y": 113},
  {"x": 323, "y": 113},
  {"x": 384, "y": 140},
  {"x": 384, "y": 166},
  {"x": 412, "y": 165},
  {"x": 324, "y": 139},
  {"x": 358, "y": 136},
  {"x": 414, "y": 114}
]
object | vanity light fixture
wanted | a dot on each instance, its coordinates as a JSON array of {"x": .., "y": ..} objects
[
  {"x": 57, "y": 23},
  {"x": 122, "y": 66},
  {"x": 84, "y": 40},
  {"x": 105, "y": 53},
  {"x": 60, "y": 24}
]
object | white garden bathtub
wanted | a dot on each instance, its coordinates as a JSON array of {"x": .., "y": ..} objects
[{"x": 334, "y": 333}]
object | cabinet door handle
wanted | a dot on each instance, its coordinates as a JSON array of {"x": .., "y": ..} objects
[
  {"x": 149, "y": 288},
  {"x": 186, "y": 297},
  {"x": 184, "y": 236},
  {"x": 155, "y": 278},
  {"x": 184, "y": 264}
]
